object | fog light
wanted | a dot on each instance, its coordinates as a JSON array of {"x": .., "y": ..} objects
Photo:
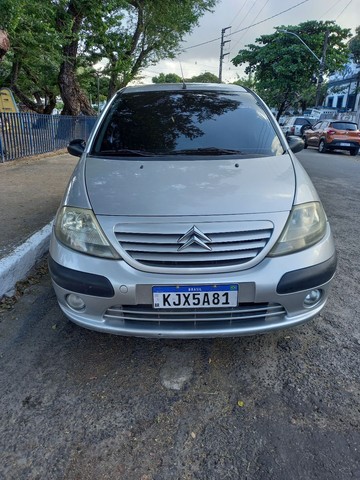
[
  {"x": 75, "y": 302},
  {"x": 312, "y": 298}
]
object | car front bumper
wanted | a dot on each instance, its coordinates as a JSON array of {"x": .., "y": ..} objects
[{"x": 118, "y": 298}]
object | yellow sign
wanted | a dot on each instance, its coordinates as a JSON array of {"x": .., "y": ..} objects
[{"x": 7, "y": 101}]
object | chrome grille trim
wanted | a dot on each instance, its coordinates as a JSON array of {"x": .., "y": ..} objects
[
  {"x": 243, "y": 312},
  {"x": 157, "y": 244}
]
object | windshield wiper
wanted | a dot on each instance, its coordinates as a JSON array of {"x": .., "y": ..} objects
[
  {"x": 124, "y": 152},
  {"x": 205, "y": 151}
]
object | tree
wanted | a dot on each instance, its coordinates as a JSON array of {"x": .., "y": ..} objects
[
  {"x": 248, "y": 82},
  {"x": 354, "y": 45},
  {"x": 167, "y": 78},
  {"x": 283, "y": 67},
  {"x": 139, "y": 33},
  {"x": 31, "y": 65},
  {"x": 4, "y": 44},
  {"x": 56, "y": 44},
  {"x": 205, "y": 77}
]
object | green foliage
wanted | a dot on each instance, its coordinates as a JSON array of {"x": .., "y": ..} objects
[
  {"x": 31, "y": 66},
  {"x": 354, "y": 46},
  {"x": 167, "y": 78},
  {"x": 248, "y": 82},
  {"x": 55, "y": 45},
  {"x": 140, "y": 33},
  {"x": 205, "y": 77},
  {"x": 283, "y": 67}
]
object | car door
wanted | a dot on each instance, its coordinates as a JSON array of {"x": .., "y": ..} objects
[{"x": 313, "y": 134}]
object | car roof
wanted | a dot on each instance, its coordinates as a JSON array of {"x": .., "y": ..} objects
[
  {"x": 295, "y": 117},
  {"x": 161, "y": 87},
  {"x": 336, "y": 120}
]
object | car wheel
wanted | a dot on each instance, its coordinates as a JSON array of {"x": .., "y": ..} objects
[
  {"x": 354, "y": 151},
  {"x": 322, "y": 147},
  {"x": 305, "y": 142}
]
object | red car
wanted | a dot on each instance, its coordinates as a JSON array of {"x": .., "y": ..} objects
[{"x": 333, "y": 135}]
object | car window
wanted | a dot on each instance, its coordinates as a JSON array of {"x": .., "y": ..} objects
[
  {"x": 171, "y": 122},
  {"x": 344, "y": 126},
  {"x": 302, "y": 121}
]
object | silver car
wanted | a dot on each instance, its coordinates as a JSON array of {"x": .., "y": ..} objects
[
  {"x": 189, "y": 216},
  {"x": 297, "y": 125}
]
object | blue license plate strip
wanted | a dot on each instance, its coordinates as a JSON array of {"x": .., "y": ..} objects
[{"x": 195, "y": 296}]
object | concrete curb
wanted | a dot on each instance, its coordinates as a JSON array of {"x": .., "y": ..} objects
[{"x": 17, "y": 265}]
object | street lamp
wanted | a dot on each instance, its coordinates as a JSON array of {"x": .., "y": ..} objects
[{"x": 320, "y": 60}]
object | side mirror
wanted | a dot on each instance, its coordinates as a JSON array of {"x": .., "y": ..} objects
[
  {"x": 296, "y": 144},
  {"x": 76, "y": 147}
]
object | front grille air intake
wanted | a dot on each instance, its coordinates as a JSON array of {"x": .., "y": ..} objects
[
  {"x": 178, "y": 318},
  {"x": 205, "y": 245}
]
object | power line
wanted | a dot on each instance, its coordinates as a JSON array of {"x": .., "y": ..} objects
[
  {"x": 256, "y": 17},
  {"x": 238, "y": 13},
  {"x": 343, "y": 10},
  {"x": 245, "y": 28},
  {"x": 327, "y": 11},
  {"x": 248, "y": 13}
]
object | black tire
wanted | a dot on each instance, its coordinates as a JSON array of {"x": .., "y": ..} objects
[
  {"x": 354, "y": 151},
  {"x": 305, "y": 142},
  {"x": 322, "y": 146}
]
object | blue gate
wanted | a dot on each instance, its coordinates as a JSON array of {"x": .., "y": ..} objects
[{"x": 26, "y": 134}]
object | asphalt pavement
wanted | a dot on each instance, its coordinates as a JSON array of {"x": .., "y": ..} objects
[{"x": 30, "y": 194}]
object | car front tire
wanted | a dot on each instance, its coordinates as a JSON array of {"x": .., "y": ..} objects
[
  {"x": 305, "y": 142},
  {"x": 354, "y": 151}
]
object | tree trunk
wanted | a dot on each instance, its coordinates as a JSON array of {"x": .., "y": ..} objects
[
  {"x": 280, "y": 110},
  {"x": 30, "y": 104},
  {"x": 113, "y": 77},
  {"x": 51, "y": 104},
  {"x": 75, "y": 100}
]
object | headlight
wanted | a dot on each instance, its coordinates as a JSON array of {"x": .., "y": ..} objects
[
  {"x": 77, "y": 228},
  {"x": 305, "y": 227}
]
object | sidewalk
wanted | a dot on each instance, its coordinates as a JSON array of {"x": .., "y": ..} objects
[{"x": 30, "y": 193}]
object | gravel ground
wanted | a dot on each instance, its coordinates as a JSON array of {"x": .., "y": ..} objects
[{"x": 79, "y": 405}]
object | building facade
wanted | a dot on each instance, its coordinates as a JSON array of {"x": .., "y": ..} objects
[{"x": 344, "y": 90}]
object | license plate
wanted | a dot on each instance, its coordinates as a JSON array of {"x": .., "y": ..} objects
[
  {"x": 344, "y": 144},
  {"x": 199, "y": 296}
]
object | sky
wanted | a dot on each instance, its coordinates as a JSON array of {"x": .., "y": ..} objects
[{"x": 241, "y": 15}]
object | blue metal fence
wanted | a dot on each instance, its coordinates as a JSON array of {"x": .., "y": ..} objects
[{"x": 26, "y": 134}]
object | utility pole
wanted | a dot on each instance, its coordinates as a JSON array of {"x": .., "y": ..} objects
[
  {"x": 321, "y": 69},
  {"x": 222, "y": 54}
]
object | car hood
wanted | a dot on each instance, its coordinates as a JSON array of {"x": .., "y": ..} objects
[{"x": 190, "y": 187}]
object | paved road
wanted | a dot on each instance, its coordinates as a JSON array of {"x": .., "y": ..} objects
[{"x": 80, "y": 405}]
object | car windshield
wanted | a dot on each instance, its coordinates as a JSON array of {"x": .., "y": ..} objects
[
  {"x": 186, "y": 122},
  {"x": 344, "y": 126},
  {"x": 302, "y": 121}
]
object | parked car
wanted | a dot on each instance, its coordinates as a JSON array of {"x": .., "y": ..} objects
[
  {"x": 296, "y": 125},
  {"x": 333, "y": 135},
  {"x": 188, "y": 215}
]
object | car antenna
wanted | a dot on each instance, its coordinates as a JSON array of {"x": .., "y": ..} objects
[{"x": 182, "y": 76}]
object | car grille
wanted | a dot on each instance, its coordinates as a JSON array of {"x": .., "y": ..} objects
[
  {"x": 158, "y": 245},
  {"x": 176, "y": 318}
]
